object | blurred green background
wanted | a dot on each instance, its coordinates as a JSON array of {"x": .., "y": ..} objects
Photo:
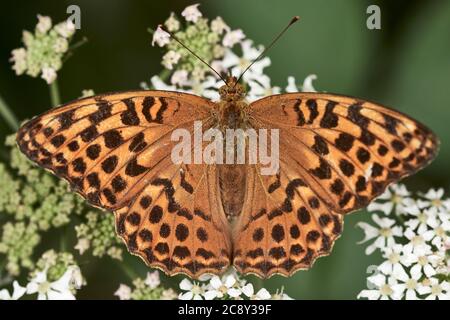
[{"x": 406, "y": 65}]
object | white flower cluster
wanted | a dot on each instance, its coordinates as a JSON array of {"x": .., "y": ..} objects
[
  {"x": 148, "y": 289},
  {"x": 208, "y": 287},
  {"x": 61, "y": 289},
  {"x": 221, "y": 44},
  {"x": 43, "y": 51},
  {"x": 227, "y": 287},
  {"x": 412, "y": 234}
]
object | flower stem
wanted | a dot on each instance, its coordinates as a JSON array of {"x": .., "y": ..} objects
[
  {"x": 63, "y": 240},
  {"x": 78, "y": 44},
  {"x": 127, "y": 270},
  {"x": 73, "y": 47},
  {"x": 54, "y": 94},
  {"x": 8, "y": 115},
  {"x": 164, "y": 75}
]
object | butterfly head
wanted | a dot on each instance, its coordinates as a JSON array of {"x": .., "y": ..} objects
[{"x": 232, "y": 91}]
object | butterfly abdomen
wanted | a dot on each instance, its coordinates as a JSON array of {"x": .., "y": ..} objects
[{"x": 232, "y": 183}]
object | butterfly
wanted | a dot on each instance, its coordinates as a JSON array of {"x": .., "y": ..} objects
[{"x": 336, "y": 154}]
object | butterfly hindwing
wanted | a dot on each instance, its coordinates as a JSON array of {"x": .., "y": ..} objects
[
  {"x": 178, "y": 229},
  {"x": 284, "y": 226}
]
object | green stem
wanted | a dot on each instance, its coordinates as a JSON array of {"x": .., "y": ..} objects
[
  {"x": 73, "y": 47},
  {"x": 78, "y": 44},
  {"x": 164, "y": 75},
  {"x": 63, "y": 240},
  {"x": 8, "y": 115},
  {"x": 54, "y": 94},
  {"x": 127, "y": 270}
]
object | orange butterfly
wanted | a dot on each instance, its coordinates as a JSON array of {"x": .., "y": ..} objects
[{"x": 336, "y": 154}]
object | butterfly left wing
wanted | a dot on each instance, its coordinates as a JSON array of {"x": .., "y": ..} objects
[
  {"x": 115, "y": 151},
  {"x": 336, "y": 154}
]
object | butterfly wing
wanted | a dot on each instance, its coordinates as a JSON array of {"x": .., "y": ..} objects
[
  {"x": 336, "y": 155},
  {"x": 115, "y": 151}
]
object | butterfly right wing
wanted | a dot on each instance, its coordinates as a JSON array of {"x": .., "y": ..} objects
[
  {"x": 336, "y": 154},
  {"x": 115, "y": 151}
]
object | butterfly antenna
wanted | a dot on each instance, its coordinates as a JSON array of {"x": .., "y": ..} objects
[
  {"x": 192, "y": 52},
  {"x": 293, "y": 20}
]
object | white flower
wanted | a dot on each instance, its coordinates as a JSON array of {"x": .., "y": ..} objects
[
  {"x": 384, "y": 234},
  {"x": 218, "y": 287},
  {"x": 124, "y": 292},
  {"x": 205, "y": 277},
  {"x": 86, "y": 93},
  {"x": 207, "y": 88},
  {"x": 422, "y": 261},
  {"x": 76, "y": 280},
  {"x": 160, "y": 37},
  {"x": 239, "y": 64},
  {"x": 423, "y": 219},
  {"x": 307, "y": 83},
  {"x": 291, "y": 87},
  {"x": 219, "y": 26},
  {"x": 172, "y": 24},
  {"x": 417, "y": 242},
  {"x": 441, "y": 234},
  {"x": 433, "y": 198},
  {"x": 57, "y": 290},
  {"x": 249, "y": 291},
  {"x": 191, "y": 13},
  {"x": 168, "y": 294},
  {"x": 394, "y": 257},
  {"x": 44, "y": 24},
  {"x": 408, "y": 286},
  {"x": 193, "y": 290},
  {"x": 48, "y": 74},
  {"x": 18, "y": 292},
  {"x": 218, "y": 66},
  {"x": 19, "y": 57},
  {"x": 233, "y": 37},
  {"x": 280, "y": 295},
  {"x": 158, "y": 84},
  {"x": 61, "y": 45},
  {"x": 179, "y": 78},
  {"x": 436, "y": 290},
  {"x": 170, "y": 58},
  {"x": 261, "y": 88},
  {"x": 383, "y": 288},
  {"x": 397, "y": 196},
  {"x": 152, "y": 279},
  {"x": 65, "y": 29}
]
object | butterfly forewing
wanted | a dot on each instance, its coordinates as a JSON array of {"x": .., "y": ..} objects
[
  {"x": 115, "y": 150},
  {"x": 350, "y": 148}
]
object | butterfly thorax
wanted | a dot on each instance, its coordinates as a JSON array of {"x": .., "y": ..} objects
[
  {"x": 232, "y": 105},
  {"x": 232, "y": 177}
]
